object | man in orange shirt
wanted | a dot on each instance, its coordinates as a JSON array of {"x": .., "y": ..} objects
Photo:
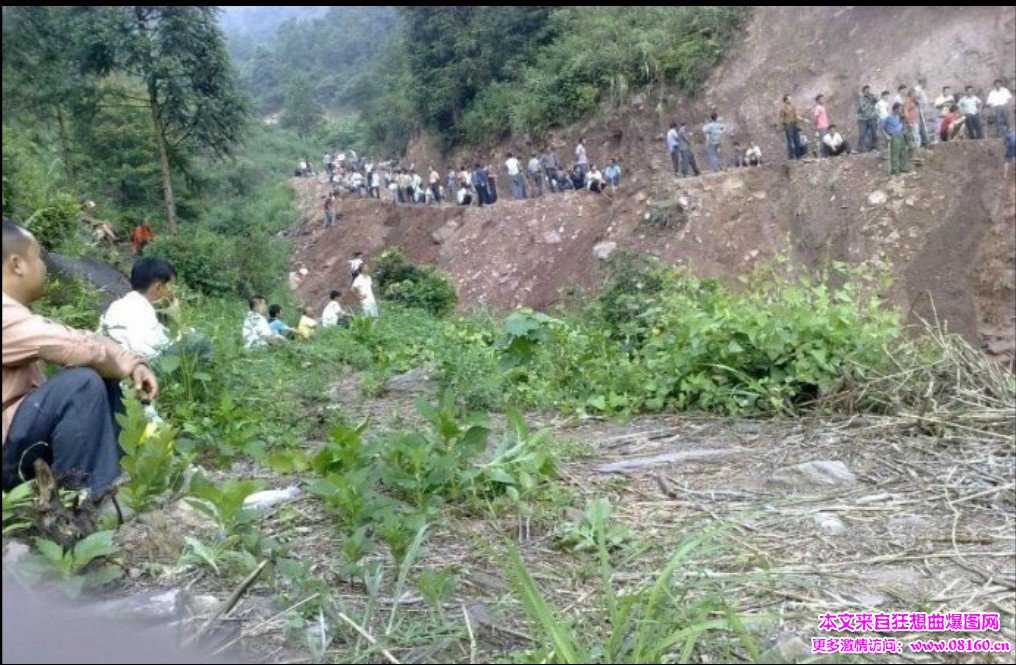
[
  {"x": 141, "y": 235},
  {"x": 68, "y": 420}
]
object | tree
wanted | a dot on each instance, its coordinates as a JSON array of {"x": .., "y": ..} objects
[
  {"x": 39, "y": 71},
  {"x": 301, "y": 110},
  {"x": 187, "y": 85}
]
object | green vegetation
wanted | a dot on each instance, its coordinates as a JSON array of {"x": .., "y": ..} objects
[{"x": 451, "y": 71}]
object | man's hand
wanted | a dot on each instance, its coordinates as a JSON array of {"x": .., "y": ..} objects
[{"x": 145, "y": 382}]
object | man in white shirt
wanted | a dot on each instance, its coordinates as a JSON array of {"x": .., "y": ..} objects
[
  {"x": 333, "y": 313},
  {"x": 834, "y": 143},
  {"x": 354, "y": 264},
  {"x": 515, "y": 179},
  {"x": 535, "y": 172},
  {"x": 882, "y": 106},
  {"x": 998, "y": 99},
  {"x": 363, "y": 288},
  {"x": 580, "y": 156},
  {"x": 256, "y": 331},
  {"x": 970, "y": 106},
  {"x": 945, "y": 101},
  {"x": 131, "y": 321}
]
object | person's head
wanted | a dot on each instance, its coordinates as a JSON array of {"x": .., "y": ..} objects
[
  {"x": 786, "y": 99},
  {"x": 308, "y": 311},
  {"x": 897, "y": 107},
  {"x": 712, "y": 116},
  {"x": 820, "y": 99},
  {"x": 866, "y": 90},
  {"x": 970, "y": 89},
  {"x": 998, "y": 83},
  {"x": 946, "y": 90},
  {"x": 153, "y": 278},
  {"x": 274, "y": 311},
  {"x": 582, "y": 139},
  {"x": 613, "y": 161},
  {"x": 954, "y": 108},
  {"x": 922, "y": 81},
  {"x": 901, "y": 88},
  {"x": 885, "y": 94},
  {"x": 832, "y": 128},
  {"x": 509, "y": 155},
  {"x": 334, "y": 295},
  {"x": 24, "y": 273},
  {"x": 257, "y": 304},
  {"x": 673, "y": 124},
  {"x": 533, "y": 154},
  {"x": 477, "y": 166}
]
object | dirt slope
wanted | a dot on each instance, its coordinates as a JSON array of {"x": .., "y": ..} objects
[{"x": 945, "y": 232}]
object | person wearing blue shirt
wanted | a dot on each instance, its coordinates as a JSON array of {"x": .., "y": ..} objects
[
  {"x": 713, "y": 131},
  {"x": 612, "y": 174},
  {"x": 277, "y": 325},
  {"x": 892, "y": 125}
]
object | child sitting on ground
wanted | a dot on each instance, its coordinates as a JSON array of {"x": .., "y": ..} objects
[
  {"x": 277, "y": 325},
  {"x": 305, "y": 328}
]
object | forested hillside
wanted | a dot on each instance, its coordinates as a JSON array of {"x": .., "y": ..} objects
[{"x": 470, "y": 75}]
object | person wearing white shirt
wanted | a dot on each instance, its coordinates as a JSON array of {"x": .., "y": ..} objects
[
  {"x": 515, "y": 179},
  {"x": 970, "y": 106},
  {"x": 998, "y": 99},
  {"x": 131, "y": 321},
  {"x": 580, "y": 156},
  {"x": 256, "y": 331},
  {"x": 363, "y": 287},
  {"x": 333, "y": 313},
  {"x": 834, "y": 143}
]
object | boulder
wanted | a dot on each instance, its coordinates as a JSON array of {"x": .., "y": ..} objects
[
  {"x": 104, "y": 276},
  {"x": 414, "y": 381},
  {"x": 877, "y": 198},
  {"x": 444, "y": 232},
  {"x": 603, "y": 250}
]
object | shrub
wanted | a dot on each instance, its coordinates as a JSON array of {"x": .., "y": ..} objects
[{"x": 423, "y": 287}]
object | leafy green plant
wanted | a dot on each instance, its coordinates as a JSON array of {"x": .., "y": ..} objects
[
  {"x": 89, "y": 563},
  {"x": 436, "y": 585},
  {"x": 423, "y": 287},
  {"x": 595, "y": 526},
  {"x": 657, "y": 623},
  {"x": 224, "y": 502},
  {"x": 150, "y": 458},
  {"x": 520, "y": 462},
  {"x": 223, "y": 552},
  {"x": 14, "y": 503}
]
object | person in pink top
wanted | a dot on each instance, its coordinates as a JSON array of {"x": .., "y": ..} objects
[
  {"x": 67, "y": 421},
  {"x": 912, "y": 114},
  {"x": 820, "y": 119}
]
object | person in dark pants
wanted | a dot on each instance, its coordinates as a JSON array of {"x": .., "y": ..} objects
[
  {"x": 867, "y": 120},
  {"x": 789, "y": 119},
  {"x": 68, "y": 420}
]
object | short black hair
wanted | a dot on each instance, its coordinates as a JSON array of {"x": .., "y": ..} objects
[
  {"x": 334, "y": 294},
  {"x": 254, "y": 300},
  {"x": 897, "y": 106},
  {"x": 16, "y": 238},
  {"x": 819, "y": 96},
  {"x": 274, "y": 310},
  {"x": 712, "y": 116},
  {"x": 149, "y": 270},
  {"x": 832, "y": 126},
  {"x": 867, "y": 87},
  {"x": 901, "y": 86}
]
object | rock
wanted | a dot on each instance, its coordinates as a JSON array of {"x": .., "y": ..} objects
[
  {"x": 823, "y": 473},
  {"x": 603, "y": 250},
  {"x": 640, "y": 197},
  {"x": 551, "y": 237},
  {"x": 14, "y": 551},
  {"x": 877, "y": 198},
  {"x": 788, "y": 649},
  {"x": 268, "y": 498},
  {"x": 829, "y": 523},
  {"x": 110, "y": 282},
  {"x": 644, "y": 461},
  {"x": 444, "y": 232},
  {"x": 154, "y": 607},
  {"x": 414, "y": 381},
  {"x": 760, "y": 196},
  {"x": 753, "y": 253}
]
